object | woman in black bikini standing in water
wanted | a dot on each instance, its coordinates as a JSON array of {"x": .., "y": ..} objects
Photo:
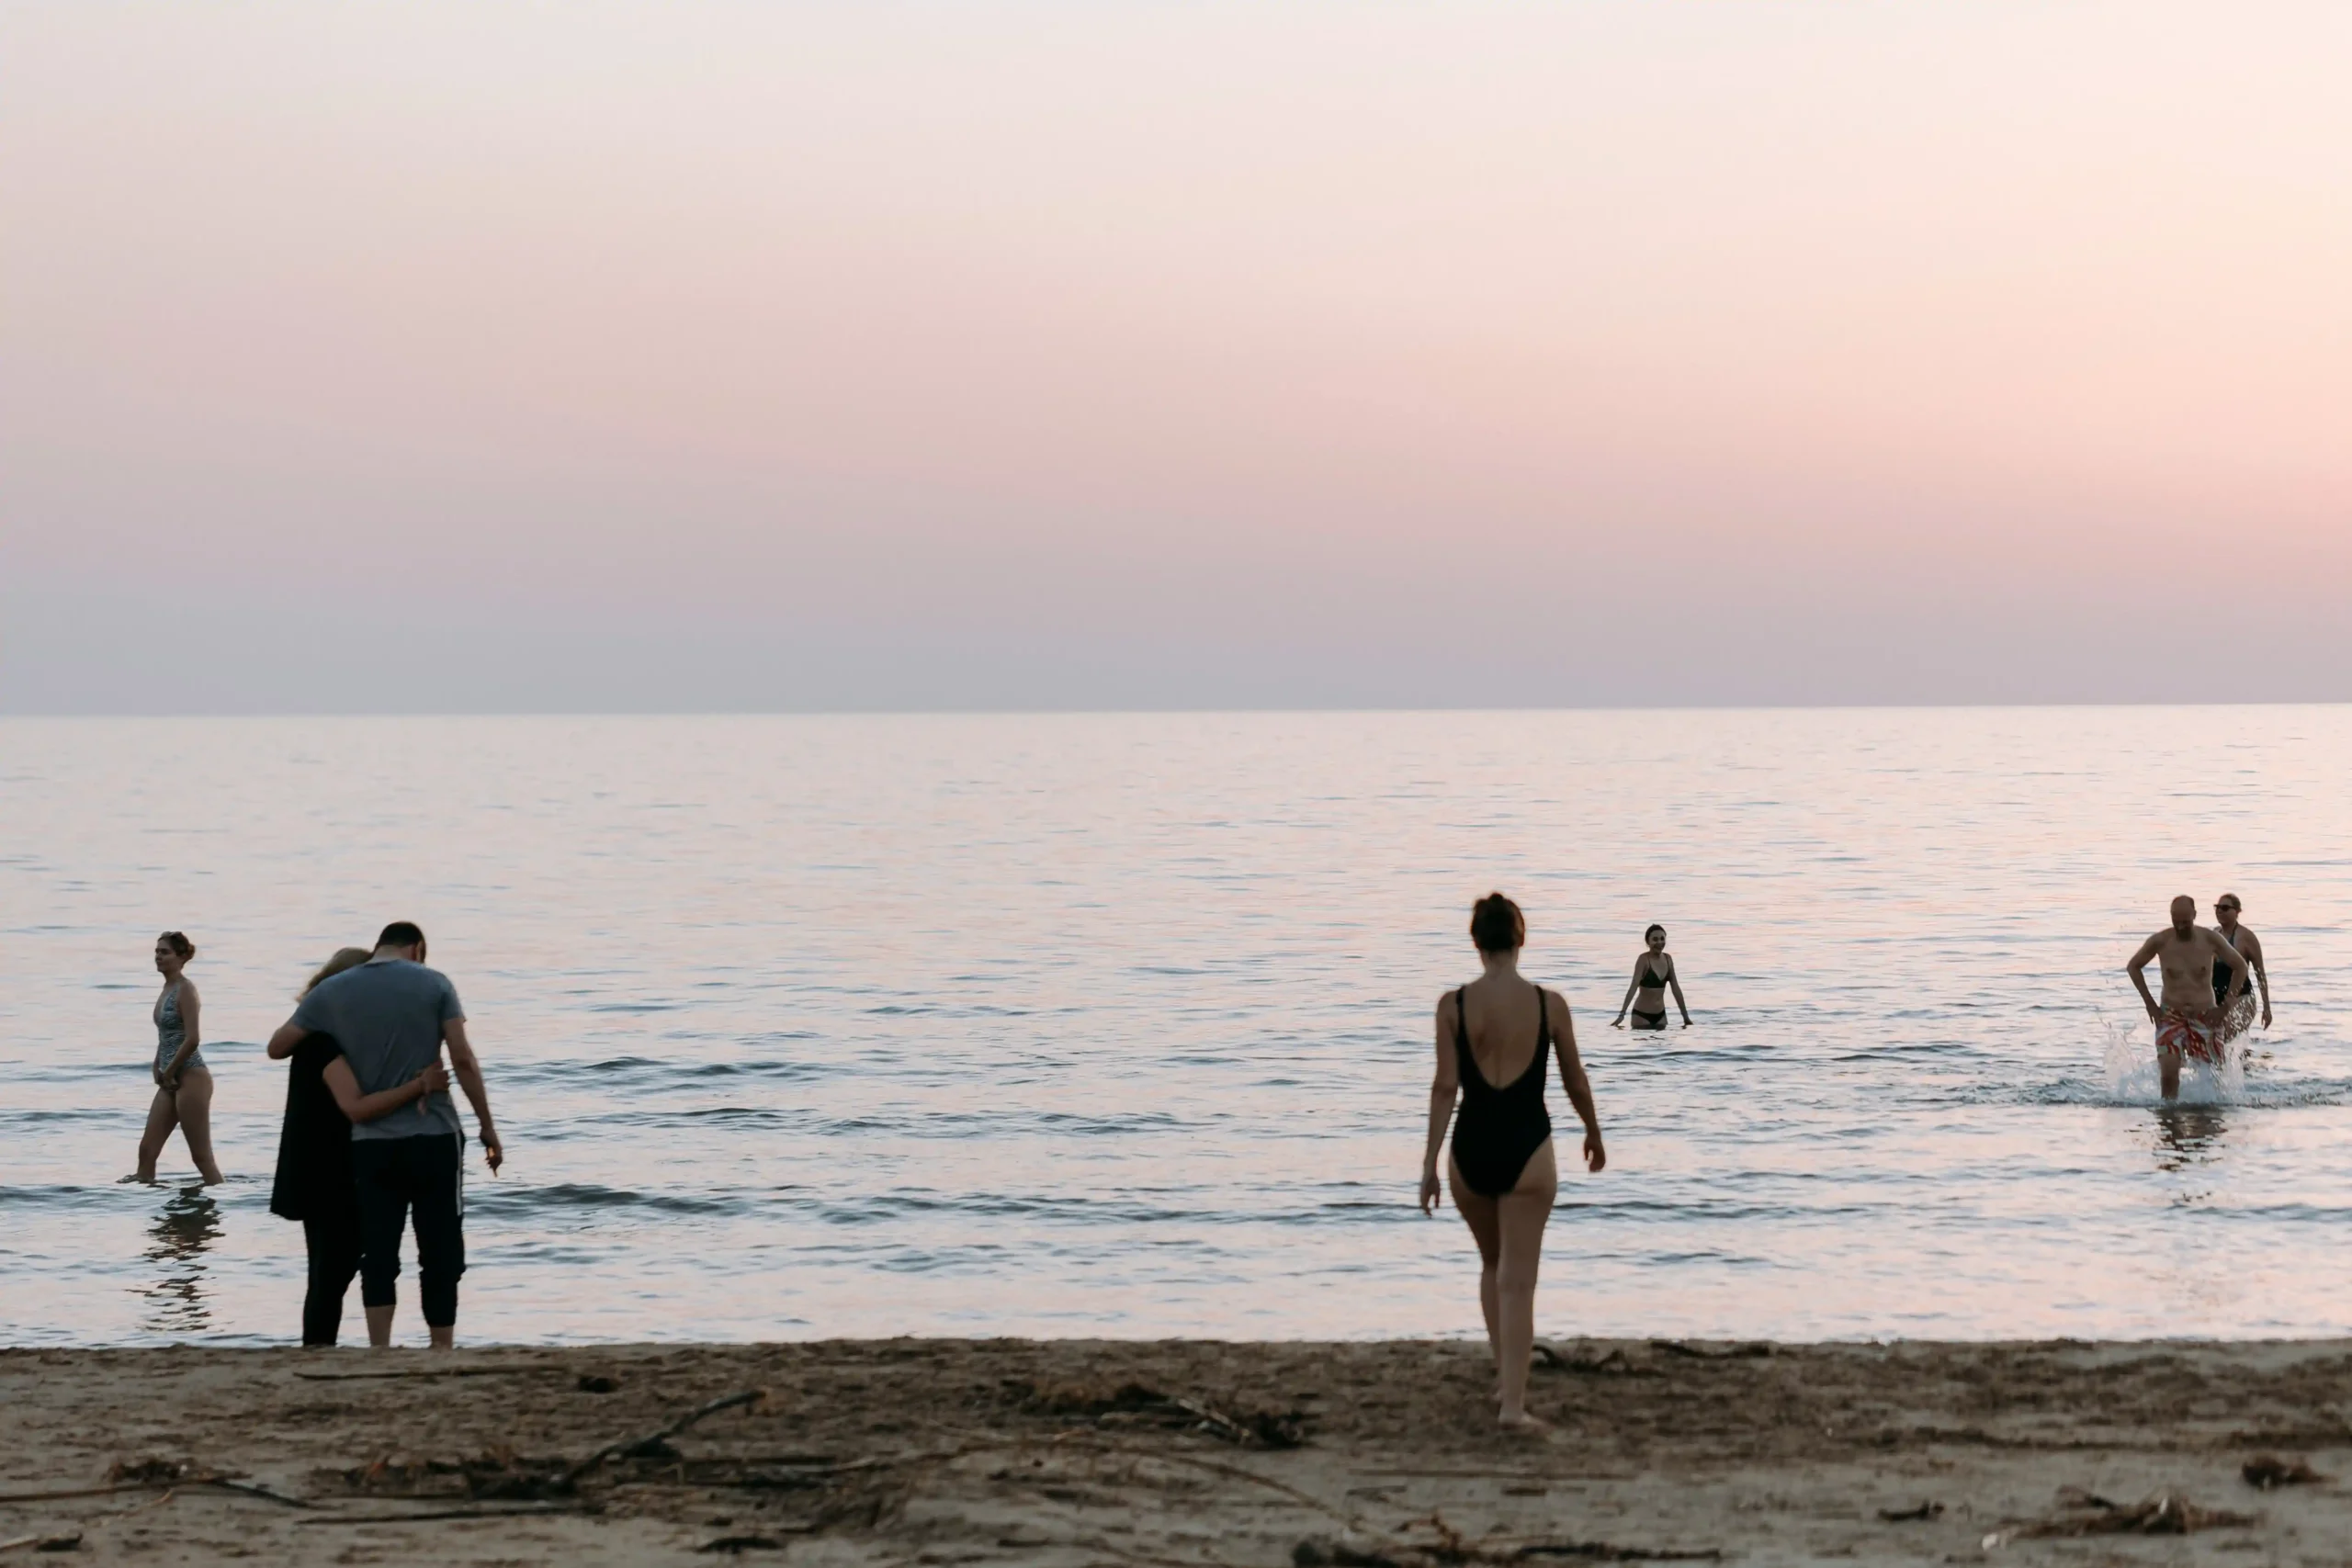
[
  {"x": 1653, "y": 973},
  {"x": 1492, "y": 1038}
]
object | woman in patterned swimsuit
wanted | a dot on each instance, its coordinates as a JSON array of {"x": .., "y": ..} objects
[{"x": 183, "y": 1083}]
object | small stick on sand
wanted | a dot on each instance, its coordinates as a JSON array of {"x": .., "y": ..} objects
[
  {"x": 86, "y": 1491},
  {"x": 437, "y": 1372},
  {"x": 1237, "y": 1473},
  {"x": 628, "y": 1446},
  {"x": 249, "y": 1489},
  {"x": 246, "y": 1487},
  {"x": 509, "y": 1511}
]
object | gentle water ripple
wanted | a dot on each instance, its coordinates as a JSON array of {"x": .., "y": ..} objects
[{"x": 1118, "y": 1024}]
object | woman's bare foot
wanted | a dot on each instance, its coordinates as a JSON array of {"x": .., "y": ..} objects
[{"x": 1523, "y": 1422}]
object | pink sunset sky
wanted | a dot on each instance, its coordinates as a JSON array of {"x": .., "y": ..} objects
[{"x": 590, "y": 356}]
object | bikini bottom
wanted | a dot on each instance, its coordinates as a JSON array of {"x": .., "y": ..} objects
[{"x": 1649, "y": 1019}]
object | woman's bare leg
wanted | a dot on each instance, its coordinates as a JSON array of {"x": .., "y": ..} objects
[
  {"x": 163, "y": 1115},
  {"x": 1521, "y": 1214},
  {"x": 1478, "y": 1213},
  {"x": 195, "y": 1106}
]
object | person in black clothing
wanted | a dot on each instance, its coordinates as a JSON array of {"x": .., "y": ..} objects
[
  {"x": 1493, "y": 1037},
  {"x": 392, "y": 1016},
  {"x": 315, "y": 1184}
]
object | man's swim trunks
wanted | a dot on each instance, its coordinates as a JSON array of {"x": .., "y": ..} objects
[{"x": 2195, "y": 1038}]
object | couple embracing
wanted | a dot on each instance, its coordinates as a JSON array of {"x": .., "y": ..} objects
[{"x": 372, "y": 1137}]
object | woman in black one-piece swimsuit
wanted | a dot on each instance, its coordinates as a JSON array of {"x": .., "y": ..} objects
[{"x": 1503, "y": 1172}]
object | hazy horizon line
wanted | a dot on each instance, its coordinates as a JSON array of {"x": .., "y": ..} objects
[{"x": 1080, "y": 712}]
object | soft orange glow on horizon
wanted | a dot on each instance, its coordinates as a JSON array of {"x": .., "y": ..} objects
[{"x": 1052, "y": 322}]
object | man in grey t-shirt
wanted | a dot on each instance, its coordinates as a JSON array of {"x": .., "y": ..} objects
[{"x": 390, "y": 1017}]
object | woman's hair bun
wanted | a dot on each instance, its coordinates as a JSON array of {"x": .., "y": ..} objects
[
  {"x": 1496, "y": 926},
  {"x": 178, "y": 943}
]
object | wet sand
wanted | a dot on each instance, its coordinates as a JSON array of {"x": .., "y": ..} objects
[{"x": 954, "y": 1451}]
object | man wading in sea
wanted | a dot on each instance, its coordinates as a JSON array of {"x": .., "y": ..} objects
[
  {"x": 391, "y": 1015},
  {"x": 2187, "y": 1023}
]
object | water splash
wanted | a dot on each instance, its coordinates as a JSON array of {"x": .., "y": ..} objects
[{"x": 2130, "y": 1068}]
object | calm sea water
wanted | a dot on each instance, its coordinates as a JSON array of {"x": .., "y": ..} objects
[{"x": 1119, "y": 1024}]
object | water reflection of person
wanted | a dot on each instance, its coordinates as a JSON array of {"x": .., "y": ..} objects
[
  {"x": 186, "y": 1227},
  {"x": 2189, "y": 1135}
]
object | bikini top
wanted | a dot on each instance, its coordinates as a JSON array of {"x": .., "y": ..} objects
[{"x": 1652, "y": 980}]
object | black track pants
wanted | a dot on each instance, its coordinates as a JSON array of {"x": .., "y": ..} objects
[{"x": 402, "y": 1177}]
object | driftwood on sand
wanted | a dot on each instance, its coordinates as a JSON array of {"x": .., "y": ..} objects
[{"x": 1074, "y": 1453}]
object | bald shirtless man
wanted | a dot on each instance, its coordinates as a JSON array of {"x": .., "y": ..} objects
[{"x": 2187, "y": 1024}]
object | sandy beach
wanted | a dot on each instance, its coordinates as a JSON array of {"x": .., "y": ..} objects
[{"x": 946, "y": 1451}]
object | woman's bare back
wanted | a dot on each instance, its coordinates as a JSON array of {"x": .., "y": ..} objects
[{"x": 1503, "y": 1019}]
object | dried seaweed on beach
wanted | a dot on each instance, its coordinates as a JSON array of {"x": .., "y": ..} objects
[
  {"x": 1608, "y": 1551},
  {"x": 498, "y": 1474},
  {"x": 656, "y": 1444},
  {"x": 1920, "y": 1514},
  {"x": 2162, "y": 1513},
  {"x": 150, "y": 1471},
  {"x": 504, "y": 1476},
  {"x": 1114, "y": 1452},
  {"x": 1612, "y": 1363},
  {"x": 1321, "y": 1552},
  {"x": 39, "y": 1542},
  {"x": 151, "y": 1475},
  {"x": 2267, "y": 1470},
  {"x": 1136, "y": 1405}
]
